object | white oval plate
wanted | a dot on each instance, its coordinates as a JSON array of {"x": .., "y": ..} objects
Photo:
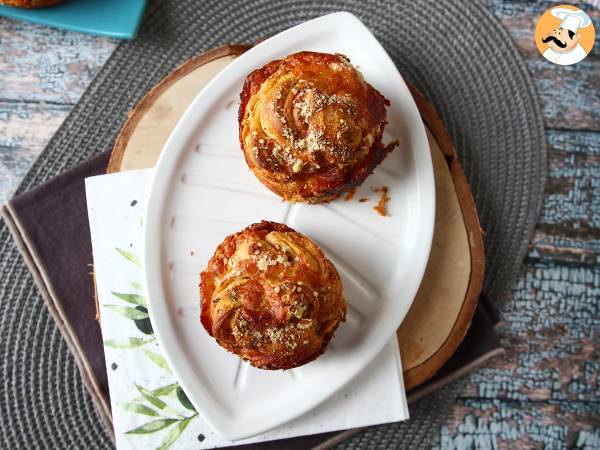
[{"x": 203, "y": 191}]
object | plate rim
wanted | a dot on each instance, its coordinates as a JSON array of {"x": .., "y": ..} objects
[{"x": 172, "y": 150}]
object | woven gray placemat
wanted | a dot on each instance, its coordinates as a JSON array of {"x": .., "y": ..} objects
[{"x": 476, "y": 80}]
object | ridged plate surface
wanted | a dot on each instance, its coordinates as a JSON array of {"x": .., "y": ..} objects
[{"x": 203, "y": 191}]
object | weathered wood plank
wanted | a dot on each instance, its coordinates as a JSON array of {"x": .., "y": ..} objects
[
  {"x": 41, "y": 64},
  {"x": 569, "y": 224},
  {"x": 520, "y": 18},
  {"x": 570, "y": 95},
  {"x": 43, "y": 71},
  {"x": 510, "y": 424},
  {"x": 545, "y": 391},
  {"x": 25, "y": 129},
  {"x": 550, "y": 330}
]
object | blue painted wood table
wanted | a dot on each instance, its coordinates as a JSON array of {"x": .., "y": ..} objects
[{"x": 545, "y": 391}]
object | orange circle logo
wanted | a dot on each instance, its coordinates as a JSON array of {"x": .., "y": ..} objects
[{"x": 564, "y": 35}]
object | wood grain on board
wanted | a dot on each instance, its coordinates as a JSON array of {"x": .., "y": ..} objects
[{"x": 545, "y": 390}]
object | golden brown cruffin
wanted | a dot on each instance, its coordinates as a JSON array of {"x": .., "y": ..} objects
[
  {"x": 270, "y": 296},
  {"x": 311, "y": 127},
  {"x": 30, "y": 3}
]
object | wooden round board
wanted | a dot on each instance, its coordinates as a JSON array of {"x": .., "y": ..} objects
[{"x": 443, "y": 308}]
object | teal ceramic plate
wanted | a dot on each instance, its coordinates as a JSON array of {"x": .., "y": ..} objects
[{"x": 115, "y": 18}]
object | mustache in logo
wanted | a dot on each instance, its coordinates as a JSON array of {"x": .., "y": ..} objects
[{"x": 555, "y": 40}]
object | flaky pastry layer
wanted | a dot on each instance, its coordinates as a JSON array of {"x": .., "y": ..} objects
[
  {"x": 311, "y": 127},
  {"x": 271, "y": 296}
]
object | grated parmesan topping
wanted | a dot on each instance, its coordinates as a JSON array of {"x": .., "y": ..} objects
[
  {"x": 304, "y": 325},
  {"x": 305, "y": 152}
]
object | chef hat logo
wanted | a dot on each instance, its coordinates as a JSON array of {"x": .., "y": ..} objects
[
  {"x": 571, "y": 20},
  {"x": 564, "y": 35}
]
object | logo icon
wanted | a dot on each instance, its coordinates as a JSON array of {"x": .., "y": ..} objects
[{"x": 564, "y": 35}]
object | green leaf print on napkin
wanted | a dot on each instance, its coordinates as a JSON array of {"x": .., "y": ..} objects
[
  {"x": 129, "y": 256},
  {"x": 158, "y": 360},
  {"x": 128, "y": 312},
  {"x": 165, "y": 390},
  {"x": 138, "y": 408},
  {"x": 131, "y": 298},
  {"x": 181, "y": 422},
  {"x": 184, "y": 400},
  {"x": 175, "y": 432},
  {"x": 136, "y": 285},
  {"x": 148, "y": 395},
  {"x": 132, "y": 342},
  {"x": 150, "y": 402},
  {"x": 151, "y": 427}
]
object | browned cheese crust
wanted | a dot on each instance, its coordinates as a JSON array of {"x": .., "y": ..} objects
[
  {"x": 311, "y": 127},
  {"x": 270, "y": 296}
]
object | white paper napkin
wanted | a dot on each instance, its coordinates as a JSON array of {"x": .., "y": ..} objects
[{"x": 149, "y": 408}]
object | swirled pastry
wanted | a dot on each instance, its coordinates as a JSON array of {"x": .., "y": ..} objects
[
  {"x": 311, "y": 127},
  {"x": 30, "y": 3},
  {"x": 270, "y": 296}
]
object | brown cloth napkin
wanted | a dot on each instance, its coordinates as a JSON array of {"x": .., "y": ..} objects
[{"x": 50, "y": 226}]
